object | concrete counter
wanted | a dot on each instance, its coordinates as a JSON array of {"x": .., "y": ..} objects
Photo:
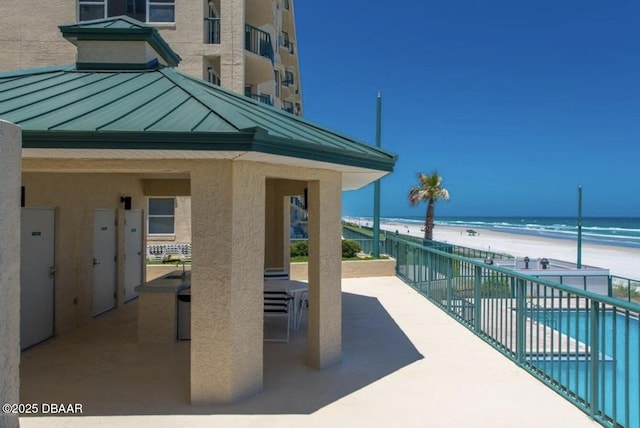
[{"x": 158, "y": 307}]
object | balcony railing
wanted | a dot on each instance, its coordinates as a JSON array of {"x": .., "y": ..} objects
[
  {"x": 258, "y": 42},
  {"x": 582, "y": 344},
  {"x": 212, "y": 31},
  {"x": 288, "y": 79},
  {"x": 263, "y": 98},
  {"x": 287, "y": 106},
  {"x": 289, "y": 45},
  {"x": 286, "y": 43}
]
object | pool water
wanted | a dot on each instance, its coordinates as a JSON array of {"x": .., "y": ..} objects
[{"x": 618, "y": 365}]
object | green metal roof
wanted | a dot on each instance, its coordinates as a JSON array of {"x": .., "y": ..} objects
[
  {"x": 66, "y": 108},
  {"x": 120, "y": 28}
]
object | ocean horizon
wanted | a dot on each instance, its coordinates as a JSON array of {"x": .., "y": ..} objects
[{"x": 616, "y": 231}]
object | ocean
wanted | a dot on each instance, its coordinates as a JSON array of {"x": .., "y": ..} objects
[{"x": 618, "y": 231}]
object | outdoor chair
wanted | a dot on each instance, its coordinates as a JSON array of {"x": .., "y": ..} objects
[
  {"x": 275, "y": 273},
  {"x": 303, "y": 306},
  {"x": 277, "y": 305}
]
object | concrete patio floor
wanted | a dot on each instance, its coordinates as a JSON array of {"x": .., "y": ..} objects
[{"x": 405, "y": 364}]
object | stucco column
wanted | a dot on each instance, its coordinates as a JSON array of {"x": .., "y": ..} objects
[
  {"x": 325, "y": 256},
  {"x": 285, "y": 249},
  {"x": 227, "y": 206},
  {"x": 232, "y": 45},
  {"x": 274, "y": 224},
  {"x": 10, "y": 177}
]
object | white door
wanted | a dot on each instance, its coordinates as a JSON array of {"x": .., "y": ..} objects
[
  {"x": 36, "y": 275},
  {"x": 132, "y": 253},
  {"x": 104, "y": 260}
]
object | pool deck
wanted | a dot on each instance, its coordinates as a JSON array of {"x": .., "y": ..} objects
[{"x": 405, "y": 364}]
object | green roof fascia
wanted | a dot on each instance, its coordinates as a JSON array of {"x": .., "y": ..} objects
[
  {"x": 140, "y": 32},
  {"x": 234, "y": 141},
  {"x": 145, "y": 140},
  {"x": 274, "y": 145}
]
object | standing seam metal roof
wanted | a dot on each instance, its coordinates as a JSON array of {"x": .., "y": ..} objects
[{"x": 64, "y": 107}]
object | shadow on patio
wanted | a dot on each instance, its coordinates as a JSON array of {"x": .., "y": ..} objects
[{"x": 103, "y": 367}]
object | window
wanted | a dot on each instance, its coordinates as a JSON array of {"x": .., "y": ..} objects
[
  {"x": 161, "y": 216},
  {"x": 91, "y": 9},
  {"x": 277, "y": 78},
  {"x": 162, "y": 11},
  {"x": 288, "y": 79},
  {"x": 142, "y": 10}
]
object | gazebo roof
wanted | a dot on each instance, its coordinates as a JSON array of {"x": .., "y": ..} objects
[
  {"x": 162, "y": 112},
  {"x": 120, "y": 28}
]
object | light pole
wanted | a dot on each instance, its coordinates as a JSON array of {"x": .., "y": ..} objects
[
  {"x": 579, "y": 263},
  {"x": 376, "y": 185}
]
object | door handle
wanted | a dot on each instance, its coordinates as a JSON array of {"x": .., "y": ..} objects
[
  {"x": 52, "y": 271},
  {"x": 95, "y": 262}
]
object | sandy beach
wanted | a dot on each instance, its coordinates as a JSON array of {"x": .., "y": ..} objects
[{"x": 621, "y": 261}]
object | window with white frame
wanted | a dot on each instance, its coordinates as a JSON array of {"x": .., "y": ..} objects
[
  {"x": 161, "y": 11},
  {"x": 161, "y": 216},
  {"x": 91, "y": 9},
  {"x": 153, "y": 11}
]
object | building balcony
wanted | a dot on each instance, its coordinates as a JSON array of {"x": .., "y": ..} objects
[
  {"x": 212, "y": 31},
  {"x": 288, "y": 107},
  {"x": 288, "y": 45},
  {"x": 288, "y": 79},
  {"x": 263, "y": 98},
  {"x": 258, "y": 42}
]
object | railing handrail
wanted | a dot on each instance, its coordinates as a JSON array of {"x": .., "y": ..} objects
[
  {"x": 635, "y": 307},
  {"x": 510, "y": 311},
  {"x": 212, "y": 30},
  {"x": 263, "y": 98},
  {"x": 256, "y": 43}
]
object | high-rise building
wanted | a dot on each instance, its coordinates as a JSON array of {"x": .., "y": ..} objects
[{"x": 248, "y": 46}]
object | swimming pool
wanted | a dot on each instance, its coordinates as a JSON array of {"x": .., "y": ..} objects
[{"x": 618, "y": 389}]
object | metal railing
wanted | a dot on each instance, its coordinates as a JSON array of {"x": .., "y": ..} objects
[
  {"x": 258, "y": 41},
  {"x": 625, "y": 288},
  {"x": 169, "y": 252},
  {"x": 212, "y": 31},
  {"x": 263, "y": 98},
  {"x": 350, "y": 232},
  {"x": 288, "y": 78},
  {"x": 289, "y": 45},
  {"x": 287, "y": 106},
  {"x": 583, "y": 345}
]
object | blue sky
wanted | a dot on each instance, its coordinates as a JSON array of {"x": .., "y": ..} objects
[{"x": 514, "y": 103}]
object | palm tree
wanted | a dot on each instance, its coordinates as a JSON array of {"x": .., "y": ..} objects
[{"x": 429, "y": 189}]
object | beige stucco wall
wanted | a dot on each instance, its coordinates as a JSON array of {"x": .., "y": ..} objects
[
  {"x": 325, "y": 255},
  {"x": 10, "y": 154},
  {"x": 30, "y": 37},
  {"x": 278, "y": 220},
  {"x": 228, "y": 200},
  {"x": 157, "y": 318},
  {"x": 350, "y": 269},
  {"x": 226, "y": 281},
  {"x": 29, "y": 34},
  {"x": 75, "y": 196}
]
